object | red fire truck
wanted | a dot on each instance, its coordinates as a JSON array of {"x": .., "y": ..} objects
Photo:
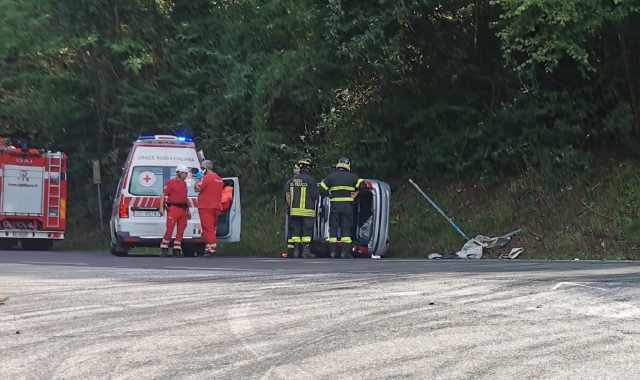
[{"x": 33, "y": 197}]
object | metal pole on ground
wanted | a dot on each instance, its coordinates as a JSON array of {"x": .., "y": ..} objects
[{"x": 439, "y": 210}]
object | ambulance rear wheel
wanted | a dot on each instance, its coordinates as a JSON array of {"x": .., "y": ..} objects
[
  {"x": 188, "y": 250},
  {"x": 118, "y": 250}
]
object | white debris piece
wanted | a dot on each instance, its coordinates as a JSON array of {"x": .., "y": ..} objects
[
  {"x": 473, "y": 248},
  {"x": 515, "y": 252}
]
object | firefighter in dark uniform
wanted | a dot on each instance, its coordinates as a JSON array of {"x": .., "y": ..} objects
[
  {"x": 301, "y": 193},
  {"x": 343, "y": 187},
  {"x": 290, "y": 245}
]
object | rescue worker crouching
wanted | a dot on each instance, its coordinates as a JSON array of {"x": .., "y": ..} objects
[
  {"x": 209, "y": 189},
  {"x": 174, "y": 200},
  {"x": 343, "y": 187},
  {"x": 301, "y": 193}
]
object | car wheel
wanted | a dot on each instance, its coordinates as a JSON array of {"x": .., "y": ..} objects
[
  {"x": 118, "y": 250},
  {"x": 6, "y": 245},
  {"x": 188, "y": 250},
  {"x": 36, "y": 245}
]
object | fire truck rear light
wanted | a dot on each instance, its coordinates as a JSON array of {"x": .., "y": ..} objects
[
  {"x": 55, "y": 234},
  {"x": 124, "y": 211}
]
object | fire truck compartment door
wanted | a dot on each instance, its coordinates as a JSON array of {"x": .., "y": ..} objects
[{"x": 22, "y": 190}]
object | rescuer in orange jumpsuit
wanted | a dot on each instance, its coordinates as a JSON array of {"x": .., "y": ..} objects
[
  {"x": 227, "y": 197},
  {"x": 178, "y": 211}
]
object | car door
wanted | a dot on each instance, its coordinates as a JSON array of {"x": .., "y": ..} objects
[{"x": 381, "y": 192}]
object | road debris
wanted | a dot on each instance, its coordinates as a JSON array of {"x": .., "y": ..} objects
[
  {"x": 473, "y": 248},
  {"x": 515, "y": 252}
]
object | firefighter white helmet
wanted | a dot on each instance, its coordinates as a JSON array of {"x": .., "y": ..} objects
[{"x": 182, "y": 169}]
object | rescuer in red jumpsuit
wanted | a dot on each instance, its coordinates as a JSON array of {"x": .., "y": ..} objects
[
  {"x": 209, "y": 189},
  {"x": 178, "y": 211}
]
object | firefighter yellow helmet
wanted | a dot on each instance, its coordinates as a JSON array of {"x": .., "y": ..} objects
[
  {"x": 344, "y": 162},
  {"x": 304, "y": 163}
]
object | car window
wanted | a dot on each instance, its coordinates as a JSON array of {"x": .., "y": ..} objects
[
  {"x": 147, "y": 181},
  {"x": 191, "y": 192},
  {"x": 150, "y": 180}
]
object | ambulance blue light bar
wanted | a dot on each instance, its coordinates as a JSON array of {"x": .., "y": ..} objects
[{"x": 164, "y": 138}]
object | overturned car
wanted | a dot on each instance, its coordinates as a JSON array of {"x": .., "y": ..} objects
[{"x": 370, "y": 234}]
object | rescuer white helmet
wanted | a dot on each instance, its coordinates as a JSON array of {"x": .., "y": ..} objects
[{"x": 182, "y": 169}]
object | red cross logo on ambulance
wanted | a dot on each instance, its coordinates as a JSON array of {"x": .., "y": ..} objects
[{"x": 147, "y": 179}]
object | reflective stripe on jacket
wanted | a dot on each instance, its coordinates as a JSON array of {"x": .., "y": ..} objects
[
  {"x": 304, "y": 194},
  {"x": 341, "y": 183}
]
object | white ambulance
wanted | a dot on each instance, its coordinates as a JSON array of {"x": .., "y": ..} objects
[{"x": 135, "y": 219}]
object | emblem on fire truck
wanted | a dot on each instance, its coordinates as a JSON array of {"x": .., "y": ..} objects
[{"x": 24, "y": 176}]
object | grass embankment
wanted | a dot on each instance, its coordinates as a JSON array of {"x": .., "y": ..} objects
[{"x": 595, "y": 220}]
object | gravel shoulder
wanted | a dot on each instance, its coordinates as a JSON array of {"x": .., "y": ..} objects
[{"x": 75, "y": 315}]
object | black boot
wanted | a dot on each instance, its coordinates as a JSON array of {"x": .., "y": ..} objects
[
  {"x": 177, "y": 252},
  {"x": 346, "y": 251},
  {"x": 296, "y": 250},
  {"x": 290, "y": 251},
  {"x": 334, "y": 250},
  {"x": 164, "y": 252},
  {"x": 306, "y": 252}
]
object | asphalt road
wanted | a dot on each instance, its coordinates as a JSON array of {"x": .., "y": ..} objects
[{"x": 94, "y": 316}]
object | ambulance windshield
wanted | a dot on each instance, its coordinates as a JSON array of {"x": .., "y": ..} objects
[{"x": 150, "y": 180}]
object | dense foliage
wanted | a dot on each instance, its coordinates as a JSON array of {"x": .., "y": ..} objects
[{"x": 421, "y": 87}]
